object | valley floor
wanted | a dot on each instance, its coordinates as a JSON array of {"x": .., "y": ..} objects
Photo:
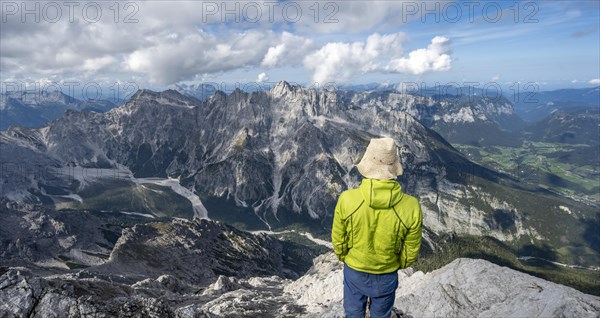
[{"x": 570, "y": 170}]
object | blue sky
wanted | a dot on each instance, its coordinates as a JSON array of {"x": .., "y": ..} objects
[{"x": 157, "y": 44}]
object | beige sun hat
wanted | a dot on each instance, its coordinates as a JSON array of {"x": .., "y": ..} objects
[{"x": 380, "y": 160}]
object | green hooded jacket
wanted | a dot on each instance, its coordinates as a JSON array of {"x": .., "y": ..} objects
[{"x": 377, "y": 228}]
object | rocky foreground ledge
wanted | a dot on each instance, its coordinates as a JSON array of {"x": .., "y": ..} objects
[
  {"x": 464, "y": 288},
  {"x": 208, "y": 269}
]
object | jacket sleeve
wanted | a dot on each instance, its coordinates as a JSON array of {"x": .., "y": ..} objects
[
  {"x": 338, "y": 232},
  {"x": 412, "y": 241}
]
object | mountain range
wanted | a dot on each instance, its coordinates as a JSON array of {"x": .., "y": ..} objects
[
  {"x": 279, "y": 159},
  {"x": 572, "y": 126},
  {"x": 36, "y": 109},
  {"x": 536, "y": 105}
]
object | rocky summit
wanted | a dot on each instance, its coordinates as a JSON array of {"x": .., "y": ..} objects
[{"x": 464, "y": 288}]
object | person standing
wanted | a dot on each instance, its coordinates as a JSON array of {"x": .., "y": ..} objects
[{"x": 376, "y": 231}]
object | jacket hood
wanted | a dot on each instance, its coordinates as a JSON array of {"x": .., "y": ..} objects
[{"x": 381, "y": 194}]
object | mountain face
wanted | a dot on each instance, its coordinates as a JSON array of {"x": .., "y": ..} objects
[
  {"x": 465, "y": 119},
  {"x": 575, "y": 126},
  {"x": 57, "y": 240},
  {"x": 280, "y": 158},
  {"x": 129, "y": 247},
  {"x": 203, "y": 250},
  {"x": 535, "y": 106},
  {"x": 95, "y": 264},
  {"x": 469, "y": 119},
  {"x": 32, "y": 110}
]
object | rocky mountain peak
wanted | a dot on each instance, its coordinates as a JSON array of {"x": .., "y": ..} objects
[
  {"x": 170, "y": 97},
  {"x": 143, "y": 92},
  {"x": 281, "y": 88}
]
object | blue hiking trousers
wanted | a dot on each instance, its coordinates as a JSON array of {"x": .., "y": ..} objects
[{"x": 359, "y": 286}]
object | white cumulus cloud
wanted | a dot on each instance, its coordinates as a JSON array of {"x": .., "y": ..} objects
[
  {"x": 290, "y": 49},
  {"x": 430, "y": 59},
  {"x": 262, "y": 77},
  {"x": 595, "y": 81},
  {"x": 169, "y": 60},
  {"x": 340, "y": 61}
]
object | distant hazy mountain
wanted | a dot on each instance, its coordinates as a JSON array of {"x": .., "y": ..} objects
[
  {"x": 368, "y": 87},
  {"x": 198, "y": 91},
  {"x": 32, "y": 110},
  {"x": 281, "y": 157},
  {"x": 573, "y": 126},
  {"x": 536, "y": 106}
]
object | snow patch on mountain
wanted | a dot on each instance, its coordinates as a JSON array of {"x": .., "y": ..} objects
[{"x": 565, "y": 209}]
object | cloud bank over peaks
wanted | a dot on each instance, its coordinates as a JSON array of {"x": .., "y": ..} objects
[
  {"x": 167, "y": 56},
  {"x": 340, "y": 61},
  {"x": 172, "y": 58}
]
